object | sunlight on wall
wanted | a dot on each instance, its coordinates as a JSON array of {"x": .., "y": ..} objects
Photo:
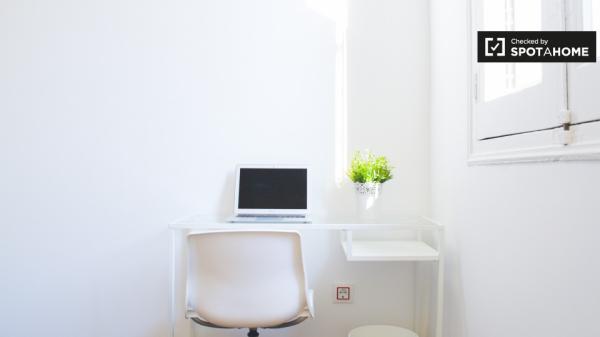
[
  {"x": 337, "y": 11},
  {"x": 590, "y": 13}
]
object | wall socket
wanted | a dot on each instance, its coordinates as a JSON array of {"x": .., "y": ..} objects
[{"x": 343, "y": 293}]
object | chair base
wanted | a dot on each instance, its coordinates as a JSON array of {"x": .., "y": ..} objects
[{"x": 253, "y": 332}]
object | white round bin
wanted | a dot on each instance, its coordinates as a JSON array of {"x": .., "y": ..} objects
[{"x": 381, "y": 331}]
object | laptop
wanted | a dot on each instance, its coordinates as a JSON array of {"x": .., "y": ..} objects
[{"x": 271, "y": 193}]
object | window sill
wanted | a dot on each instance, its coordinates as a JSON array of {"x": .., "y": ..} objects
[{"x": 573, "y": 152}]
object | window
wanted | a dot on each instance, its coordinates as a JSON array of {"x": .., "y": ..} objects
[{"x": 534, "y": 111}]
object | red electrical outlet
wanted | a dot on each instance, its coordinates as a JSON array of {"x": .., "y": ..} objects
[{"x": 343, "y": 293}]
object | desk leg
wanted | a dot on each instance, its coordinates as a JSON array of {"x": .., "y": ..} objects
[
  {"x": 429, "y": 294},
  {"x": 172, "y": 284},
  {"x": 180, "y": 326},
  {"x": 439, "y": 316},
  {"x": 424, "y": 289}
]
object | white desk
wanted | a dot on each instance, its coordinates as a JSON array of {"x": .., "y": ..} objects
[{"x": 413, "y": 248}]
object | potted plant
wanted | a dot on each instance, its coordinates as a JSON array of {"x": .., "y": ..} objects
[{"x": 368, "y": 172}]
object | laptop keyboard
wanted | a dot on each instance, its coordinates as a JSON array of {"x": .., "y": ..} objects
[
  {"x": 270, "y": 219},
  {"x": 270, "y": 216}
]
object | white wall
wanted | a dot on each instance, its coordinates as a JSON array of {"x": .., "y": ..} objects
[
  {"x": 117, "y": 117},
  {"x": 522, "y": 255}
]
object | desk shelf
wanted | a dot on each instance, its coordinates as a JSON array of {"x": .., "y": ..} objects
[{"x": 389, "y": 250}]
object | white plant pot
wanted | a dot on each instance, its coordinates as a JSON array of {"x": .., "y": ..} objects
[{"x": 366, "y": 199}]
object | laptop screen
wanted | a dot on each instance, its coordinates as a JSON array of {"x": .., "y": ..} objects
[{"x": 272, "y": 188}]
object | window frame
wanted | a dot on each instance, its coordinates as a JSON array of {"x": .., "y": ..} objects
[{"x": 545, "y": 146}]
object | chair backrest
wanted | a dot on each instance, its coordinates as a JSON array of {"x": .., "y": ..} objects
[{"x": 246, "y": 279}]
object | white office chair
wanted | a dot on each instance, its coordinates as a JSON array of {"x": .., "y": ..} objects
[{"x": 247, "y": 279}]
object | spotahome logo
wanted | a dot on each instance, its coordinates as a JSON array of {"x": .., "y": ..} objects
[
  {"x": 533, "y": 46},
  {"x": 495, "y": 46}
]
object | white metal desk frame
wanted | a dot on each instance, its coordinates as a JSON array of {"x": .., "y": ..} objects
[{"x": 355, "y": 250}]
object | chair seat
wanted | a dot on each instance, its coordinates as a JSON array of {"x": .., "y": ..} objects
[
  {"x": 307, "y": 313},
  {"x": 381, "y": 331}
]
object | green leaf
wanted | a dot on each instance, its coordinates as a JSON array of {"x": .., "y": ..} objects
[{"x": 365, "y": 167}]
